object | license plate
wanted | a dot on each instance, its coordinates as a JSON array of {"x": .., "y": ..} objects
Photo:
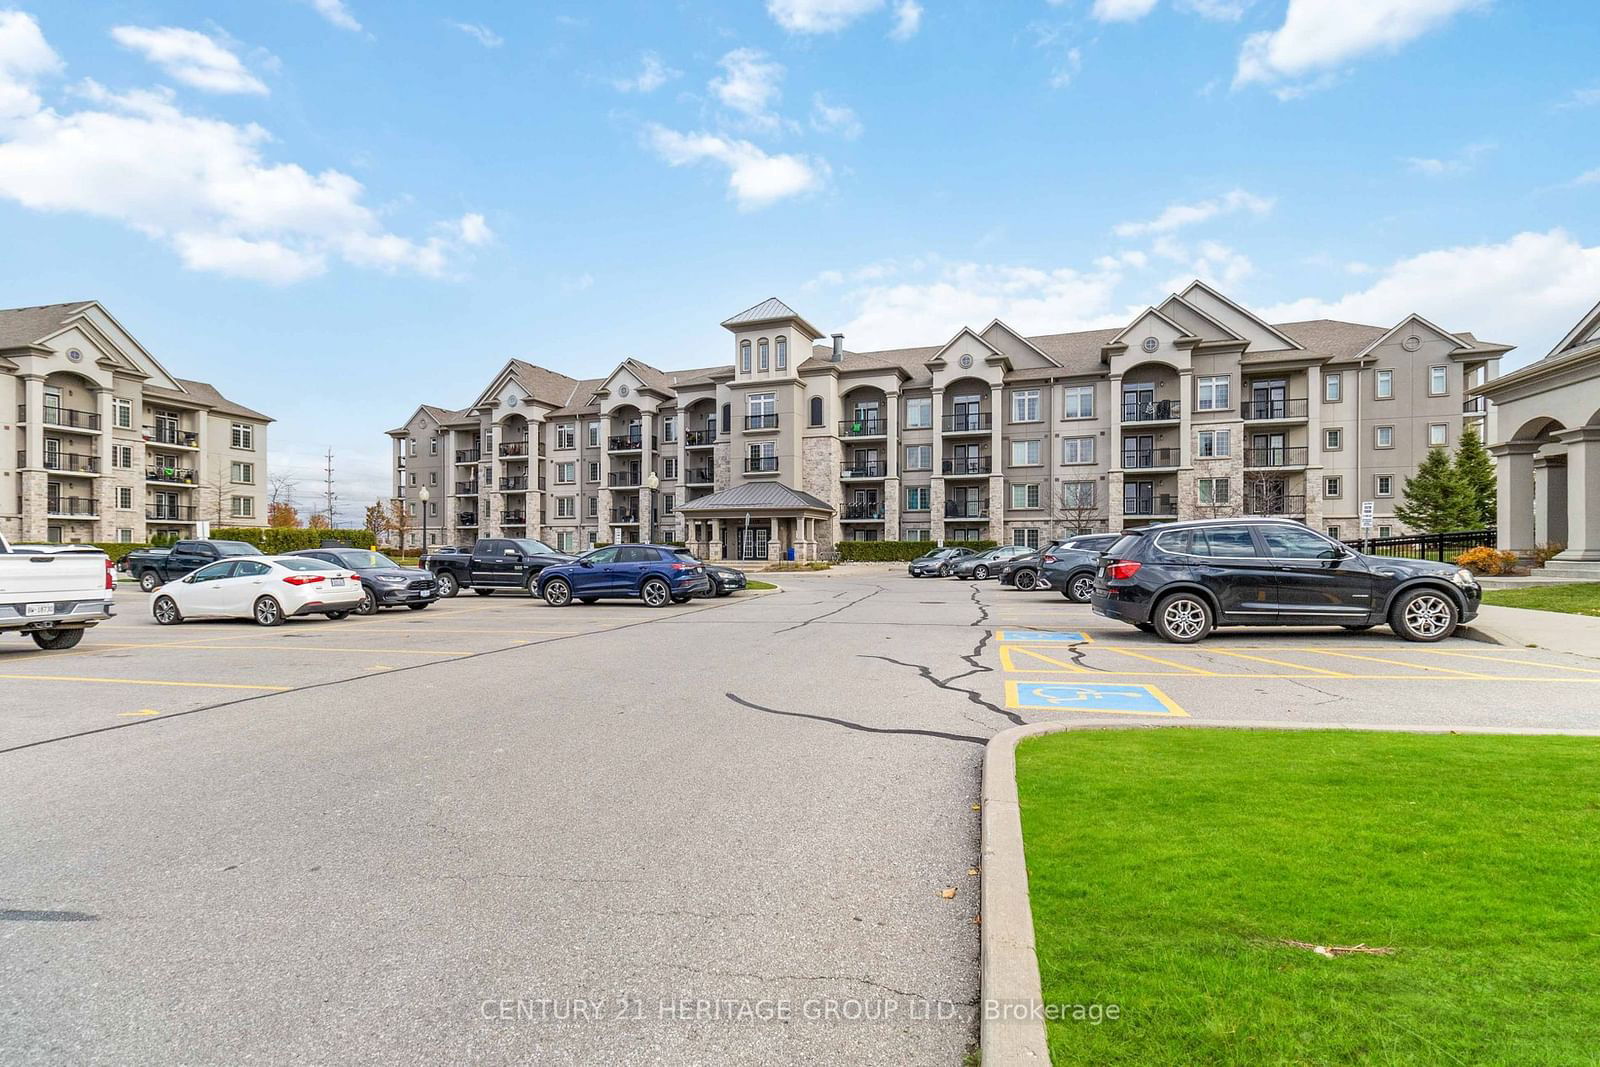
[
  {"x": 34, "y": 610},
  {"x": 337, "y": 581}
]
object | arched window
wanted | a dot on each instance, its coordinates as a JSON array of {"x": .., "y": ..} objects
[
  {"x": 761, "y": 355},
  {"x": 783, "y": 354},
  {"x": 744, "y": 357},
  {"x": 727, "y": 415},
  {"x": 816, "y": 401}
]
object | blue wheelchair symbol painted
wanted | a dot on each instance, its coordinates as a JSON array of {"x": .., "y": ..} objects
[
  {"x": 1043, "y": 637},
  {"x": 1106, "y": 697}
]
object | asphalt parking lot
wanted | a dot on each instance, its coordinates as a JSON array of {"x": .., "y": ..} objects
[{"x": 360, "y": 840}]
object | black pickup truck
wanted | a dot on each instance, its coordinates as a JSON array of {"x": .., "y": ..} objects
[
  {"x": 158, "y": 566},
  {"x": 493, "y": 563}
]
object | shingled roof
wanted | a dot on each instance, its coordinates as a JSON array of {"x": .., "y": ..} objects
[
  {"x": 23, "y": 326},
  {"x": 757, "y": 496}
]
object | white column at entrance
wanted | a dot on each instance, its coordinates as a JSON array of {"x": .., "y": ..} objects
[
  {"x": 1550, "y": 499},
  {"x": 714, "y": 551},
  {"x": 1514, "y": 495},
  {"x": 1583, "y": 493}
]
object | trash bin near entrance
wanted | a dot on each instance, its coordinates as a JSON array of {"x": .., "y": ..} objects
[{"x": 789, "y": 554}]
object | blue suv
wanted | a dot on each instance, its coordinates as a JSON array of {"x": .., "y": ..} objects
[{"x": 656, "y": 574}]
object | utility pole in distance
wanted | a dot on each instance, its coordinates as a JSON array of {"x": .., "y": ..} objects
[{"x": 328, "y": 494}]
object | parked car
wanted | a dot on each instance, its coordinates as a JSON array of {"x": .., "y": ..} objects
[
  {"x": 384, "y": 583},
  {"x": 1024, "y": 572},
  {"x": 1181, "y": 580},
  {"x": 982, "y": 565},
  {"x": 1070, "y": 570},
  {"x": 158, "y": 566},
  {"x": 655, "y": 574},
  {"x": 725, "y": 581},
  {"x": 939, "y": 562},
  {"x": 53, "y": 593},
  {"x": 492, "y": 563},
  {"x": 268, "y": 589}
]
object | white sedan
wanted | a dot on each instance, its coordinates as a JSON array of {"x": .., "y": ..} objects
[{"x": 268, "y": 589}]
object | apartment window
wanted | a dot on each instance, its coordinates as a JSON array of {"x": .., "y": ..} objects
[
  {"x": 1383, "y": 485},
  {"x": 1332, "y": 440},
  {"x": 921, "y": 534},
  {"x": 919, "y": 457},
  {"x": 763, "y": 357},
  {"x": 594, "y": 435},
  {"x": 1333, "y": 487},
  {"x": 727, "y": 418},
  {"x": 125, "y": 535},
  {"x": 433, "y": 477},
  {"x": 124, "y": 498},
  {"x": 782, "y": 344},
  {"x": 566, "y": 507},
  {"x": 1077, "y": 450},
  {"x": 411, "y": 508},
  {"x": 1212, "y": 490},
  {"x": 1025, "y": 495},
  {"x": 917, "y": 498},
  {"x": 816, "y": 411},
  {"x": 744, "y": 356},
  {"x": 761, "y": 404},
  {"x": 1333, "y": 388},
  {"x": 668, "y": 502},
  {"x": 1027, "y": 537},
  {"x": 433, "y": 508},
  {"x": 1077, "y": 402},
  {"x": 1333, "y": 532},
  {"x": 594, "y": 471},
  {"x": 1024, "y": 453},
  {"x": 669, "y": 429},
  {"x": 122, "y": 413},
  {"x": 433, "y": 446},
  {"x": 919, "y": 413},
  {"x": 242, "y": 507},
  {"x": 1214, "y": 443},
  {"x": 1438, "y": 435},
  {"x": 244, "y": 436},
  {"x": 1385, "y": 531},
  {"x": 412, "y": 443},
  {"x": 1025, "y": 406},
  {"x": 1383, "y": 385},
  {"x": 1212, "y": 393},
  {"x": 1438, "y": 381},
  {"x": 566, "y": 473},
  {"x": 243, "y": 473},
  {"x": 669, "y": 468},
  {"x": 1077, "y": 495},
  {"x": 1383, "y": 437},
  {"x": 594, "y": 509},
  {"x": 413, "y": 479},
  {"x": 567, "y": 435},
  {"x": 122, "y": 456}
]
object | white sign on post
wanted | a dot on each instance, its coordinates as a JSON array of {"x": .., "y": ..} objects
[{"x": 1366, "y": 514}]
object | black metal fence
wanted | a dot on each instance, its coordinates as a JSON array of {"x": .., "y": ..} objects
[{"x": 1442, "y": 547}]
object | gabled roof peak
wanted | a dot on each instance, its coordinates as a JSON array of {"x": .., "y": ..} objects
[{"x": 770, "y": 310}]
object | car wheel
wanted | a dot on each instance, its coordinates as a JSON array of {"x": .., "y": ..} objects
[
  {"x": 557, "y": 593},
  {"x": 338, "y": 615},
  {"x": 1183, "y": 618},
  {"x": 58, "y": 640},
  {"x": 149, "y": 581},
  {"x": 1080, "y": 589},
  {"x": 980, "y": 572},
  {"x": 418, "y": 607},
  {"x": 166, "y": 612},
  {"x": 369, "y": 602},
  {"x": 267, "y": 612},
  {"x": 1424, "y": 615},
  {"x": 448, "y": 586},
  {"x": 1026, "y": 580},
  {"x": 589, "y": 599},
  {"x": 655, "y": 593},
  {"x": 944, "y": 570},
  {"x": 484, "y": 592}
]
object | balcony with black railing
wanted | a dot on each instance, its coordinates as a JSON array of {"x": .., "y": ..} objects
[
  {"x": 513, "y": 449},
  {"x": 1163, "y": 505},
  {"x": 1289, "y": 506},
  {"x": 699, "y": 476},
  {"x": 868, "y": 426},
  {"x": 468, "y": 455},
  {"x": 1278, "y": 409},
  {"x": 466, "y": 489},
  {"x": 966, "y": 509},
  {"x": 467, "y": 520},
  {"x": 71, "y": 507},
  {"x": 66, "y": 418},
  {"x": 170, "y": 513},
  {"x": 624, "y": 516},
  {"x": 1144, "y": 459},
  {"x": 1145, "y": 409},
  {"x": 514, "y": 518},
  {"x": 162, "y": 434},
  {"x": 514, "y": 484},
  {"x": 1277, "y": 457},
  {"x": 761, "y": 464},
  {"x": 969, "y": 422},
  {"x": 629, "y": 442},
  {"x": 172, "y": 475},
  {"x": 765, "y": 421},
  {"x": 67, "y": 462},
  {"x": 863, "y": 513},
  {"x": 968, "y": 466},
  {"x": 1475, "y": 405},
  {"x": 699, "y": 438},
  {"x": 624, "y": 479},
  {"x": 865, "y": 469}
]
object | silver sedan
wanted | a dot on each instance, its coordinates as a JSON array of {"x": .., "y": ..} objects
[{"x": 987, "y": 564}]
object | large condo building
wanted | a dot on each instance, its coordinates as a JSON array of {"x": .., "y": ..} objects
[
  {"x": 108, "y": 445},
  {"x": 1197, "y": 407}
]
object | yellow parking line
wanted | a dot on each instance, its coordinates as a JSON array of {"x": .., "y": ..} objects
[
  {"x": 1403, "y": 663},
  {"x": 1280, "y": 663},
  {"x": 328, "y": 648},
  {"x": 1008, "y": 655},
  {"x": 1506, "y": 659},
  {"x": 1156, "y": 659},
  {"x": 140, "y": 681}
]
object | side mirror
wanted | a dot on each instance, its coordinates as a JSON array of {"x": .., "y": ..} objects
[{"x": 586, "y": 563}]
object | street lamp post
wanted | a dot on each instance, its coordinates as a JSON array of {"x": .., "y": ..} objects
[
  {"x": 652, "y": 483},
  {"x": 422, "y": 495}
]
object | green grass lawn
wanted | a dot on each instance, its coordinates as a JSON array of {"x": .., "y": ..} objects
[
  {"x": 1166, "y": 866},
  {"x": 751, "y": 583},
  {"x": 1580, "y": 598}
]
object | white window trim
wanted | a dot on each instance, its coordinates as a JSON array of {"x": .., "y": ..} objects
[
  {"x": 1377, "y": 437},
  {"x": 1038, "y": 448},
  {"x": 1023, "y": 396},
  {"x": 1065, "y": 462},
  {"x": 1213, "y": 379},
  {"x": 1446, "y": 374},
  {"x": 1077, "y": 390}
]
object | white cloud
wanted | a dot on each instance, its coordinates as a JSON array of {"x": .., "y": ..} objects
[
  {"x": 756, "y": 179},
  {"x": 1217, "y": 10},
  {"x": 819, "y": 16},
  {"x": 907, "y": 20},
  {"x": 190, "y": 57},
  {"x": 480, "y": 33},
  {"x": 1217, "y": 263},
  {"x": 1177, "y": 216},
  {"x": 474, "y": 229},
  {"x": 1588, "y": 177},
  {"x": 1527, "y": 290},
  {"x": 830, "y": 118},
  {"x": 200, "y": 185},
  {"x": 1121, "y": 10},
  {"x": 653, "y": 74},
  {"x": 749, "y": 85},
  {"x": 1319, "y": 36},
  {"x": 1460, "y": 164},
  {"x": 336, "y": 13},
  {"x": 1071, "y": 64},
  {"x": 1581, "y": 98}
]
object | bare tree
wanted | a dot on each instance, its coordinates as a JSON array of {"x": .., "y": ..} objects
[
  {"x": 399, "y": 521},
  {"x": 1077, "y": 511},
  {"x": 281, "y": 489}
]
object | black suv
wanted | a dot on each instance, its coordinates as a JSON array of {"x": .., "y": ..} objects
[{"x": 1182, "y": 579}]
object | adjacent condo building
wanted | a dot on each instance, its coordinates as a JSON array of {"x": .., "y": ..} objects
[
  {"x": 107, "y": 444},
  {"x": 1196, "y": 407}
]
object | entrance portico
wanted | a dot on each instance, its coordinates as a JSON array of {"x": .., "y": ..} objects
[{"x": 759, "y": 521}]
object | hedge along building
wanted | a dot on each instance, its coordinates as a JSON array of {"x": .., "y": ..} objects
[
  {"x": 1547, "y": 452},
  {"x": 1195, "y": 407}
]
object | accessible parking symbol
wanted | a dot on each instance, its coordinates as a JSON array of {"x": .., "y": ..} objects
[{"x": 1109, "y": 697}]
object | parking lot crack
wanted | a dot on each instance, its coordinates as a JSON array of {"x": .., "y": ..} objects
[
  {"x": 848, "y": 725},
  {"x": 927, "y": 675},
  {"x": 826, "y": 614}
]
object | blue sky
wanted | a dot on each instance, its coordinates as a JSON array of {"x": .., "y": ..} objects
[{"x": 337, "y": 209}]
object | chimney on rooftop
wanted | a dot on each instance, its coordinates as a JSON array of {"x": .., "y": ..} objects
[{"x": 838, "y": 348}]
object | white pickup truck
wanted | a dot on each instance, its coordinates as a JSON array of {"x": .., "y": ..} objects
[{"x": 53, "y": 592}]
